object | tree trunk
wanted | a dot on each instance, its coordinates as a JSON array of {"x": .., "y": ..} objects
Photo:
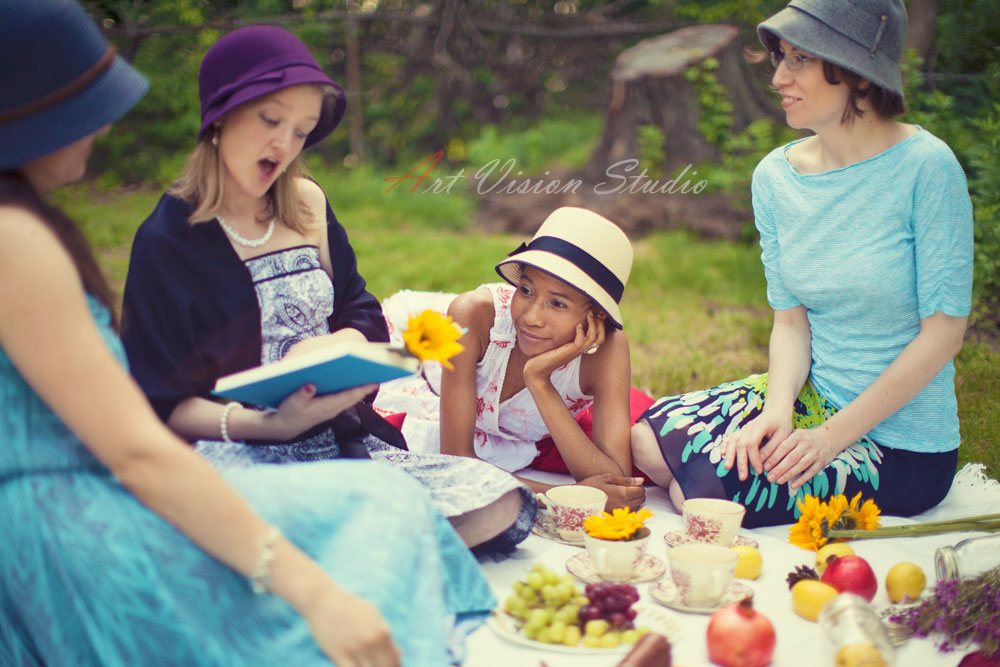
[
  {"x": 648, "y": 87},
  {"x": 921, "y": 17}
]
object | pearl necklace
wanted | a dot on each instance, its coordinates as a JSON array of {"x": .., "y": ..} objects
[{"x": 247, "y": 242}]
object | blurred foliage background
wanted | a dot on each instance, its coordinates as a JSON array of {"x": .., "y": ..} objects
[{"x": 530, "y": 80}]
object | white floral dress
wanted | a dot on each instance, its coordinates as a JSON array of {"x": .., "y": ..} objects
[{"x": 506, "y": 432}]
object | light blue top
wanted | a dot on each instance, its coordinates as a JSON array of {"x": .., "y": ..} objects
[{"x": 869, "y": 250}]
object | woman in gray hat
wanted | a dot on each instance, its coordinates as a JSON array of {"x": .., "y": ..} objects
[
  {"x": 866, "y": 232},
  {"x": 122, "y": 546}
]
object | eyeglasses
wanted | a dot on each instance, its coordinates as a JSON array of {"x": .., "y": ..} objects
[{"x": 793, "y": 61}]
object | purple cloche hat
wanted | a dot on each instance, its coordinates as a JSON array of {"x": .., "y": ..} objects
[{"x": 255, "y": 61}]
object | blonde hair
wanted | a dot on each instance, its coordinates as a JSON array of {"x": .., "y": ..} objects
[{"x": 201, "y": 183}]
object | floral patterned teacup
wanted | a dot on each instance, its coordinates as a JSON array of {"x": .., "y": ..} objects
[
  {"x": 712, "y": 520},
  {"x": 617, "y": 560},
  {"x": 570, "y": 504},
  {"x": 702, "y": 572}
]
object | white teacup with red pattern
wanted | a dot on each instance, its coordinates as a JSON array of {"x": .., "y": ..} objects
[
  {"x": 712, "y": 520},
  {"x": 570, "y": 504},
  {"x": 702, "y": 572}
]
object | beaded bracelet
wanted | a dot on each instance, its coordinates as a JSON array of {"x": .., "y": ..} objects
[
  {"x": 265, "y": 555},
  {"x": 223, "y": 424}
]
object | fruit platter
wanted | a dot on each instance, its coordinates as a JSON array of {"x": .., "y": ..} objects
[{"x": 551, "y": 611}]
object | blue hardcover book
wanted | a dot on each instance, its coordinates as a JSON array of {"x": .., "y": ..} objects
[{"x": 331, "y": 369}]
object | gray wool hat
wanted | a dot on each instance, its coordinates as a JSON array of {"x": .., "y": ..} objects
[{"x": 863, "y": 36}]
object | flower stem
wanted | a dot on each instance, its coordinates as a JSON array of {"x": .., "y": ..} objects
[{"x": 987, "y": 523}]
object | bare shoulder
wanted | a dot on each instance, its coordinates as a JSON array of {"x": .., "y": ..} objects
[
  {"x": 804, "y": 155},
  {"x": 474, "y": 311},
  {"x": 314, "y": 198},
  {"x": 23, "y": 231}
]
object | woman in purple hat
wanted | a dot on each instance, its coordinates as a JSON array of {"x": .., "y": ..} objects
[
  {"x": 120, "y": 545},
  {"x": 243, "y": 260},
  {"x": 866, "y": 232}
]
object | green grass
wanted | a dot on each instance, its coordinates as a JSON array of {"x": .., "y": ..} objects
[{"x": 695, "y": 310}]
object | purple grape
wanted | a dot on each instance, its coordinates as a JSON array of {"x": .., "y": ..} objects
[
  {"x": 589, "y": 613},
  {"x": 630, "y": 614},
  {"x": 615, "y": 602},
  {"x": 617, "y": 620}
]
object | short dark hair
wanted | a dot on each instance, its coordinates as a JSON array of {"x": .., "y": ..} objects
[{"x": 886, "y": 103}]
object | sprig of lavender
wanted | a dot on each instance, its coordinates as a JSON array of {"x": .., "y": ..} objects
[{"x": 961, "y": 611}]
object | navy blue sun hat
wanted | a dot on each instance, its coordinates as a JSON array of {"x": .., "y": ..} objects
[
  {"x": 256, "y": 61},
  {"x": 863, "y": 36},
  {"x": 59, "y": 79}
]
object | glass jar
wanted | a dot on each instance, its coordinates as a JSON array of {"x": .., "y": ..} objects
[
  {"x": 855, "y": 633},
  {"x": 968, "y": 558}
]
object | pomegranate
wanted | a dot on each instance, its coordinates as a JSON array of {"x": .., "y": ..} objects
[
  {"x": 740, "y": 636},
  {"x": 851, "y": 574}
]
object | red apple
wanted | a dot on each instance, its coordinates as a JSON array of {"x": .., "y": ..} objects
[{"x": 851, "y": 574}]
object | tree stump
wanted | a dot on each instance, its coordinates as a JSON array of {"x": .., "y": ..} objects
[{"x": 648, "y": 87}]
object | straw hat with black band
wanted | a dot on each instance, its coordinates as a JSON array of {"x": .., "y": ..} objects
[
  {"x": 582, "y": 249},
  {"x": 60, "y": 81}
]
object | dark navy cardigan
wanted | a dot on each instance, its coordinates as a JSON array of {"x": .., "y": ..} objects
[{"x": 190, "y": 312}]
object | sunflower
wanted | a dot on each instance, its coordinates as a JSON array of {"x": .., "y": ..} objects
[
  {"x": 858, "y": 516},
  {"x": 431, "y": 336},
  {"x": 807, "y": 532},
  {"x": 621, "y": 524}
]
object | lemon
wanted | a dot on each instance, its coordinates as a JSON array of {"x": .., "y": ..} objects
[
  {"x": 809, "y": 596},
  {"x": 859, "y": 655},
  {"x": 838, "y": 549},
  {"x": 905, "y": 580},
  {"x": 750, "y": 562}
]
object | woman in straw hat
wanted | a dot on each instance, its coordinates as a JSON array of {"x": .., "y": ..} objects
[
  {"x": 524, "y": 373},
  {"x": 866, "y": 231},
  {"x": 243, "y": 260},
  {"x": 121, "y": 545}
]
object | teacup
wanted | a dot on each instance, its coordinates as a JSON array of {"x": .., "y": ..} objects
[
  {"x": 570, "y": 504},
  {"x": 712, "y": 520},
  {"x": 616, "y": 560},
  {"x": 702, "y": 572}
]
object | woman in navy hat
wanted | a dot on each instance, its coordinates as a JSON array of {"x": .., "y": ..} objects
[
  {"x": 121, "y": 546},
  {"x": 243, "y": 261},
  {"x": 866, "y": 232}
]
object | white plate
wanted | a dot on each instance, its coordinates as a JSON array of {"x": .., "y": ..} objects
[
  {"x": 666, "y": 593},
  {"x": 545, "y": 527},
  {"x": 676, "y": 538},
  {"x": 649, "y": 568},
  {"x": 652, "y": 617}
]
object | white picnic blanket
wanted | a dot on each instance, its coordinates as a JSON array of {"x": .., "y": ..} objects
[{"x": 800, "y": 642}]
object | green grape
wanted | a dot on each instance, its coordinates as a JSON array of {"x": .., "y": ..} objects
[
  {"x": 572, "y": 613},
  {"x": 536, "y": 580},
  {"x": 551, "y": 577},
  {"x": 563, "y": 614},
  {"x": 527, "y": 594},
  {"x": 557, "y": 632},
  {"x": 610, "y": 640},
  {"x": 550, "y": 593},
  {"x": 565, "y": 591},
  {"x": 517, "y": 606},
  {"x": 642, "y": 630},
  {"x": 537, "y": 618},
  {"x": 568, "y": 579},
  {"x": 597, "y": 627},
  {"x": 581, "y": 600},
  {"x": 528, "y": 632},
  {"x": 538, "y": 567},
  {"x": 590, "y": 641},
  {"x": 572, "y": 637},
  {"x": 518, "y": 585},
  {"x": 630, "y": 636},
  {"x": 544, "y": 635}
]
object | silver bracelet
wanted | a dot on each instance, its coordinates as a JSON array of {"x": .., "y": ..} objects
[
  {"x": 265, "y": 555},
  {"x": 224, "y": 422}
]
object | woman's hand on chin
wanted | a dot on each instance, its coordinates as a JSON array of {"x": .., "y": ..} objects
[{"x": 539, "y": 368}]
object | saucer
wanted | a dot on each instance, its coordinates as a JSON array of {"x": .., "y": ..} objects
[
  {"x": 546, "y": 527},
  {"x": 666, "y": 593},
  {"x": 649, "y": 568},
  {"x": 676, "y": 538}
]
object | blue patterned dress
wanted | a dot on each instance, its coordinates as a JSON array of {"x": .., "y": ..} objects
[
  {"x": 90, "y": 576},
  {"x": 296, "y": 299}
]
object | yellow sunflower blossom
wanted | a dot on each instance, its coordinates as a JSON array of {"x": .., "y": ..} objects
[
  {"x": 807, "y": 532},
  {"x": 431, "y": 336},
  {"x": 621, "y": 524},
  {"x": 817, "y": 517}
]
